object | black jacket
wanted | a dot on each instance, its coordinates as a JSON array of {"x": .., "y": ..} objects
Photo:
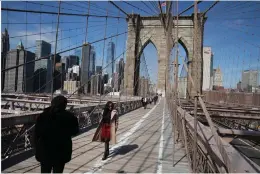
[{"x": 53, "y": 133}]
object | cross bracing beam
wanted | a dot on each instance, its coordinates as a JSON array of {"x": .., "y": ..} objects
[
  {"x": 217, "y": 111},
  {"x": 236, "y": 132},
  {"x": 229, "y": 115}
]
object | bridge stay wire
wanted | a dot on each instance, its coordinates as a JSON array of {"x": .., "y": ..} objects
[
  {"x": 56, "y": 75},
  {"x": 176, "y": 96},
  {"x": 212, "y": 127},
  {"x": 153, "y": 11},
  {"x": 128, "y": 3},
  {"x": 23, "y": 134}
]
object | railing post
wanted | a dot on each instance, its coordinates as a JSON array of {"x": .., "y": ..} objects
[
  {"x": 194, "y": 165},
  {"x": 27, "y": 140}
]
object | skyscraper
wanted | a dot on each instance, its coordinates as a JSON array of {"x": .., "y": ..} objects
[
  {"x": 85, "y": 67},
  {"x": 42, "y": 49},
  {"x": 41, "y": 67},
  {"x": 99, "y": 69},
  {"x": 250, "y": 78},
  {"x": 115, "y": 81},
  {"x": 49, "y": 73},
  {"x": 207, "y": 69},
  {"x": 121, "y": 73},
  {"x": 217, "y": 77},
  {"x": 117, "y": 66},
  {"x": 239, "y": 86},
  {"x": 60, "y": 67},
  {"x": 5, "y": 47},
  {"x": 105, "y": 78},
  {"x": 70, "y": 61},
  {"x": 72, "y": 87},
  {"x": 110, "y": 59},
  {"x": 19, "y": 79},
  {"x": 92, "y": 61},
  {"x": 78, "y": 52},
  {"x": 96, "y": 84}
]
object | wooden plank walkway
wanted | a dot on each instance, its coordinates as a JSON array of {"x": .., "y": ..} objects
[{"x": 140, "y": 148}]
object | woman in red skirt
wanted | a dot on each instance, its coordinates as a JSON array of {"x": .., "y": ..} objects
[{"x": 106, "y": 126}]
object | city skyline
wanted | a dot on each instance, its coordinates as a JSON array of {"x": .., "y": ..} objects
[{"x": 236, "y": 52}]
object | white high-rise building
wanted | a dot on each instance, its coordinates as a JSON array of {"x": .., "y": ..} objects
[
  {"x": 76, "y": 69},
  {"x": 207, "y": 69},
  {"x": 217, "y": 77},
  {"x": 250, "y": 78}
]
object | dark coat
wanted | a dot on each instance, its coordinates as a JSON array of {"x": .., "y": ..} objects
[{"x": 53, "y": 133}]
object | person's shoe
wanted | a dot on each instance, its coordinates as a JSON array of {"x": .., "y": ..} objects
[{"x": 105, "y": 155}]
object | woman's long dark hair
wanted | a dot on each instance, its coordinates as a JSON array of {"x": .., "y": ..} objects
[
  {"x": 58, "y": 103},
  {"x": 106, "y": 109}
]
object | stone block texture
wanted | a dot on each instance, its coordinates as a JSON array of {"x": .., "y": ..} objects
[{"x": 150, "y": 30}]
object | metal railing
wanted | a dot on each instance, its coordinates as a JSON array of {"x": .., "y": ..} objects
[
  {"x": 18, "y": 138},
  {"x": 207, "y": 157}
]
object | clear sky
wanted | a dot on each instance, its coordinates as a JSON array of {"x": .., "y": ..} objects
[{"x": 232, "y": 30}]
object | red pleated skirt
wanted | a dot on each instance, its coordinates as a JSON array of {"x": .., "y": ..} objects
[{"x": 105, "y": 131}]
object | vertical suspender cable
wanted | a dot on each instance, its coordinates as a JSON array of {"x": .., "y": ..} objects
[
  {"x": 119, "y": 59},
  {"x": 54, "y": 57},
  {"x": 104, "y": 44},
  {"x": 87, "y": 22},
  {"x": 25, "y": 74}
]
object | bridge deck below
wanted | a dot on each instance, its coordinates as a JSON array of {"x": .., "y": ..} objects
[{"x": 144, "y": 145}]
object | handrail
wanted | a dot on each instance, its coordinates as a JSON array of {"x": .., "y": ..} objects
[{"x": 237, "y": 163}]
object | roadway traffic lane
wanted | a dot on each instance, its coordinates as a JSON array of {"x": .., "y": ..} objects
[{"x": 248, "y": 149}]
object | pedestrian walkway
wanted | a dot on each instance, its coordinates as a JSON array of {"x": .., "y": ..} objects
[{"x": 144, "y": 145}]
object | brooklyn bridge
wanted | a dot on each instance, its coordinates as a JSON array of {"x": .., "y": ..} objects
[{"x": 202, "y": 59}]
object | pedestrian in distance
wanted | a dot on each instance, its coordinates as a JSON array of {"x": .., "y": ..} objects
[
  {"x": 106, "y": 131},
  {"x": 54, "y": 129},
  {"x": 142, "y": 100},
  {"x": 155, "y": 99},
  {"x": 145, "y": 102}
]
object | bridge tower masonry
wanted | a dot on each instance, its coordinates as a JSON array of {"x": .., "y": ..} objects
[{"x": 143, "y": 30}]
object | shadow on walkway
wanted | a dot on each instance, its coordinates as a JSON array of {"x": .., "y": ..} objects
[{"x": 124, "y": 149}]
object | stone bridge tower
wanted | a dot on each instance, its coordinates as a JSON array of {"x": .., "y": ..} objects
[{"x": 145, "y": 30}]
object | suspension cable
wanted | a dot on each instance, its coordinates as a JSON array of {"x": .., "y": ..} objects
[
  {"x": 148, "y": 7},
  {"x": 119, "y": 8},
  {"x": 55, "y": 13},
  {"x": 135, "y": 7},
  {"x": 45, "y": 57},
  {"x": 54, "y": 57}
]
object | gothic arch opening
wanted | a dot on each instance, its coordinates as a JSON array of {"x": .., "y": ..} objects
[
  {"x": 183, "y": 55},
  {"x": 148, "y": 69}
]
